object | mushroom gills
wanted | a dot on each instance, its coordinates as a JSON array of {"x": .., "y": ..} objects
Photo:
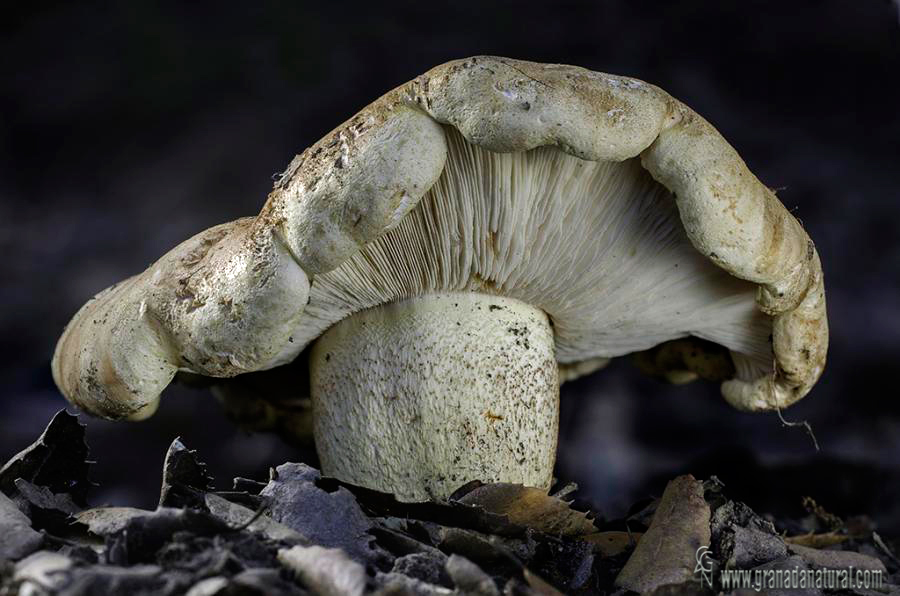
[
  {"x": 598, "y": 246},
  {"x": 418, "y": 397}
]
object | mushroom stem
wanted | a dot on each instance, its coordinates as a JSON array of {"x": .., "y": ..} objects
[{"x": 420, "y": 396}]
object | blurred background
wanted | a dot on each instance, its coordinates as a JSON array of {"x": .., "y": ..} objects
[{"x": 126, "y": 129}]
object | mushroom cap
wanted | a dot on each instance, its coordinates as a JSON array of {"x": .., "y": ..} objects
[{"x": 249, "y": 295}]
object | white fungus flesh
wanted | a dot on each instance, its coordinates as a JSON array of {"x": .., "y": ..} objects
[
  {"x": 600, "y": 214},
  {"x": 419, "y": 396}
]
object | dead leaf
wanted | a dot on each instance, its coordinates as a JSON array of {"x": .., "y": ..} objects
[
  {"x": 237, "y": 515},
  {"x": 19, "y": 539},
  {"x": 565, "y": 563},
  {"x": 42, "y": 497},
  {"x": 538, "y": 585},
  {"x": 332, "y": 519},
  {"x": 57, "y": 460},
  {"x": 185, "y": 477},
  {"x": 530, "y": 507},
  {"x": 397, "y": 584},
  {"x": 211, "y": 586},
  {"x": 428, "y": 567},
  {"x": 469, "y": 578},
  {"x": 476, "y": 546},
  {"x": 44, "y": 572},
  {"x": 666, "y": 552},
  {"x": 104, "y": 521},
  {"x": 326, "y": 571},
  {"x": 610, "y": 544},
  {"x": 744, "y": 548},
  {"x": 837, "y": 559},
  {"x": 817, "y": 540}
]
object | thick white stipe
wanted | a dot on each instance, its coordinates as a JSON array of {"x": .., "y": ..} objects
[{"x": 420, "y": 396}]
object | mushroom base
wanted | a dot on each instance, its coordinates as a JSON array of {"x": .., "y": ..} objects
[{"x": 421, "y": 396}]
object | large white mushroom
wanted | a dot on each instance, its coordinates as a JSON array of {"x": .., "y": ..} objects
[{"x": 455, "y": 250}]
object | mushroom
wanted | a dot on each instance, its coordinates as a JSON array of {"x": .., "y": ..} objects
[{"x": 454, "y": 251}]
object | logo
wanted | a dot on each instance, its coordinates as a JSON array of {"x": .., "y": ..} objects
[{"x": 704, "y": 566}]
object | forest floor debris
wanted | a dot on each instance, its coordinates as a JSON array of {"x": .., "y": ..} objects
[{"x": 301, "y": 533}]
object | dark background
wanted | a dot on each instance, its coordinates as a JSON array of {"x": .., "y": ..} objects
[{"x": 126, "y": 129}]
